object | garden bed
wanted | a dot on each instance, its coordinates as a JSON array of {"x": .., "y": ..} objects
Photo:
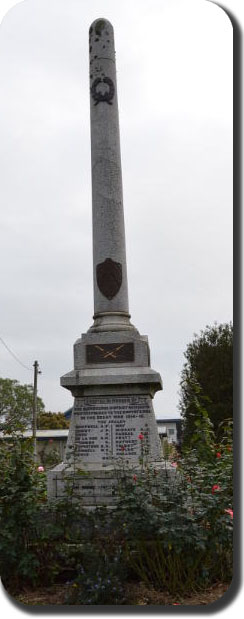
[
  {"x": 167, "y": 542},
  {"x": 137, "y": 594}
]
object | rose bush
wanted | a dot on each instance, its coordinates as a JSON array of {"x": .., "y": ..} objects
[{"x": 172, "y": 526}]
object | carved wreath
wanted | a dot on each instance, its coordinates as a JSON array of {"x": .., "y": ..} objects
[{"x": 97, "y": 95}]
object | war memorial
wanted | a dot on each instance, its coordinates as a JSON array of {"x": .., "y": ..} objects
[{"x": 112, "y": 382}]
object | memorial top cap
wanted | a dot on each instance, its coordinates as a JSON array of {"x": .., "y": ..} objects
[
  {"x": 98, "y": 25},
  {"x": 101, "y": 43}
]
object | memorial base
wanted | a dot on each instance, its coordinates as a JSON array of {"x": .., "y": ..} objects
[
  {"x": 113, "y": 420},
  {"x": 107, "y": 434},
  {"x": 98, "y": 487},
  {"x": 93, "y": 488}
]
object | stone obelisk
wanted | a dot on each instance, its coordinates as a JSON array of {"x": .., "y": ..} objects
[
  {"x": 109, "y": 258},
  {"x": 112, "y": 381}
]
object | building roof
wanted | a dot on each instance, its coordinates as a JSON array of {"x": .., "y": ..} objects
[
  {"x": 41, "y": 434},
  {"x": 168, "y": 419}
]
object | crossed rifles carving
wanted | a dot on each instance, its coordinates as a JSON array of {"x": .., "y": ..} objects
[{"x": 111, "y": 353}]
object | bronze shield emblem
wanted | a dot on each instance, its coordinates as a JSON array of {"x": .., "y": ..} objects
[{"x": 109, "y": 277}]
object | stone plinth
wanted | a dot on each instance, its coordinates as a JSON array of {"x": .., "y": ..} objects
[
  {"x": 98, "y": 486},
  {"x": 112, "y": 363},
  {"x": 113, "y": 386}
]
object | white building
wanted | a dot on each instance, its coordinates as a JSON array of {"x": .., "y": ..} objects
[{"x": 170, "y": 428}]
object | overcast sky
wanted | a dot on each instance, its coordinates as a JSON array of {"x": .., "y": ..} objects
[{"x": 174, "y": 72}]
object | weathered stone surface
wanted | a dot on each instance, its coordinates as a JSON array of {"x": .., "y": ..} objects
[
  {"x": 116, "y": 376},
  {"x": 112, "y": 381},
  {"x": 97, "y": 486},
  {"x": 105, "y": 427},
  {"x": 140, "y": 345},
  {"x": 107, "y": 195},
  {"x": 94, "y": 488}
]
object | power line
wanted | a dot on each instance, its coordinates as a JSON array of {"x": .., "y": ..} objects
[{"x": 14, "y": 356}]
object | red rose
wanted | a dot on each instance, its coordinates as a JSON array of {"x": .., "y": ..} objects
[
  {"x": 215, "y": 487},
  {"x": 122, "y": 447},
  {"x": 134, "y": 477},
  {"x": 218, "y": 454},
  {"x": 141, "y": 436},
  {"x": 230, "y": 512}
]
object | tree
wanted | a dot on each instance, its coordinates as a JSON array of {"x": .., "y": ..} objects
[
  {"x": 16, "y": 406},
  {"x": 52, "y": 421},
  {"x": 209, "y": 366}
]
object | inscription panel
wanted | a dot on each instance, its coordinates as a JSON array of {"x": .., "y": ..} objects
[
  {"x": 107, "y": 353},
  {"x": 109, "y": 427}
]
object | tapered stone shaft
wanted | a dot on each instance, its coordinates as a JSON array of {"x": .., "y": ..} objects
[{"x": 111, "y": 310}]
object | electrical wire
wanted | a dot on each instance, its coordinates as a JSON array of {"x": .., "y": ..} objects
[{"x": 14, "y": 356}]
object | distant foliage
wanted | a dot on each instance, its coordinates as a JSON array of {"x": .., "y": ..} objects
[
  {"x": 48, "y": 454},
  {"x": 52, "y": 421},
  {"x": 16, "y": 406},
  {"x": 207, "y": 379}
]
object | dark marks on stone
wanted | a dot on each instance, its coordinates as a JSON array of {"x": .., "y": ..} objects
[{"x": 100, "y": 25}]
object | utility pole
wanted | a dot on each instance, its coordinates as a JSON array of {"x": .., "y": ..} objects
[{"x": 36, "y": 372}]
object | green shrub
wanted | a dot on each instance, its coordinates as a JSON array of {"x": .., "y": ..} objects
[
  {"x": 22, "y": 490},
  {"x": 178, "y": 528},
  {"x": 171, "y": 527},
  {"x": 100, "y": 578}
]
